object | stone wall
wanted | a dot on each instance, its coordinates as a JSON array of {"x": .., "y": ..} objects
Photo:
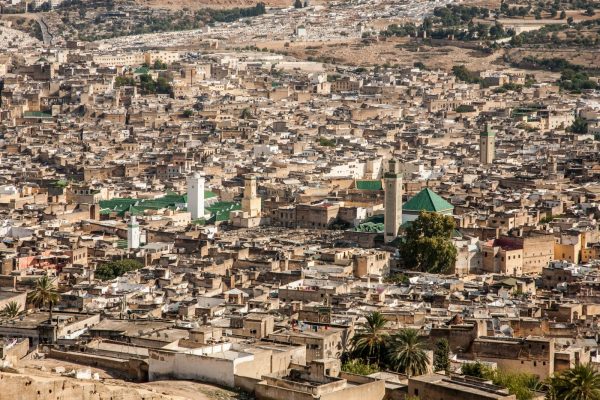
[
  {"x": 22, "y": 387},
  {"x": 133, "y": 369}
]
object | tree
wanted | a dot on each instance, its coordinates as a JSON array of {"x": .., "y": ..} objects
[
  {"x": 580, "y": 125},
  {"x": 406, "y": 353},
  {"x": 11, "y": 310},
  {"x": 326, "y": 142},
  {"x": 563, "y": 14},
  {"x": 476, "y": 369},
  {"x": 158, "y": 64},
  {"x": 44, "y": 295},
  {"x": 359, "y": 367},
  {"x": 298, "y": 4},
  {"x": 590, "y": 11},
  {"x": 427, "y": 24},
  {"x": 188, "y": 113},
  {"x": 441, "y": 356},
  {"x": 570, "y": 20},
  {"x": 246, "y": 113},
  {"x": 464, "y": 108},
  {"x": 369, "y": 341},
  {"x": 427, "y": 245},
  {"x": 578, "y": 383},
  {"x": 462, "y": 73},
  {"x": 114, "y": 269}
]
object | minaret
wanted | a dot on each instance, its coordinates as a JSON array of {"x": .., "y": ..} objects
[
  {"x": 133, "y": 234},
  {"x": 487, "y": 145},
  {"x": 195, "y": 195},
  {"x": 552, "y": 166},
  {"x": 251, "y": 203},
  {"x": 393, "y": 202}
]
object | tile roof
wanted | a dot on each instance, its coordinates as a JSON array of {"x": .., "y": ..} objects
[{"x": 427, "y": 200}]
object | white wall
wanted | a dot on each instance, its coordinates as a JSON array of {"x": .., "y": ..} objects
[{"x": 167, "y": 365}]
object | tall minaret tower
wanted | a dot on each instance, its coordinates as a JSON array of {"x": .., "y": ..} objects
[
  {"x": 251, "y": 203},
  {"x": 195, "y": 195},
  {"x": 133, "y": 234},
  {"x": 393, "y": 201},
  {"x": 552, "y": 165},
  {"x": 487, "y": 145}
]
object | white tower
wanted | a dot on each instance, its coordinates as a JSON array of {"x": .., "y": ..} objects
[
  {"x": 195, "y": 195},
  {"x": 133, "y": 234},
  {"x": 393, "y": 202}
]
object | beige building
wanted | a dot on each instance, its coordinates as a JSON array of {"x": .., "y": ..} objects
[
  {"x": 439, "y": 386},
  {"x": 531, "y": 355}
]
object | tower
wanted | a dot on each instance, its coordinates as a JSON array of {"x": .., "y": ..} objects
[
  {"x": 487, "y": 145},
  {"x": 552, "y": 165},
  {"x": 393, "y": 201},
  {"x": 195, "y": 195},
  {"x": 251, "y": 203},
  {"x": 133, "y": 234}
]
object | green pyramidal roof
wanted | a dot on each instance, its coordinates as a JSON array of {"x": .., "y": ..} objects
[{"x": 427, "y": 200}]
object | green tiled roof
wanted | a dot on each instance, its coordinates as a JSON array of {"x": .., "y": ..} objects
[
  {"x": 220, "y": 210},
  {"x": 141, "y": 70},
  {"x": 138, "y": 206},
  {"x": 376, "y": 219},
  {"x": 36, "y": 114},
  {"x": 370, "y": 227},
  {"x": 427, "y": 200},
  {"x": 369, "y": 185}
]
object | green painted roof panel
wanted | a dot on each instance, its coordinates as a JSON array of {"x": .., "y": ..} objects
[{"x": 369, "y": 185}]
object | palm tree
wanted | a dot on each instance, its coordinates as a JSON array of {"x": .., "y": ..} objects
[
  {"x": 406, "y": 353},
  {"x": 44, "y": 294},
  {"x": 11, "y": 310},
  {"x": 581, "y": 382},
  {"x": 370, "y": 340}
]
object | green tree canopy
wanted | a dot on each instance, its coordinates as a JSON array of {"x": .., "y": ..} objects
[
  {"x": 44, "y": 294},
  {"x": 369, "y": 341},
  {"x": 441, "y": 356},
  {"x": 578, "y": 383},
  {"x": 427, "y": 245},
  {"x": 580, "y": 125},
  {"x": 114, "y": 269},
  {"x": 359, "y": 367},
  {"x": 406, "y": 353}
]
